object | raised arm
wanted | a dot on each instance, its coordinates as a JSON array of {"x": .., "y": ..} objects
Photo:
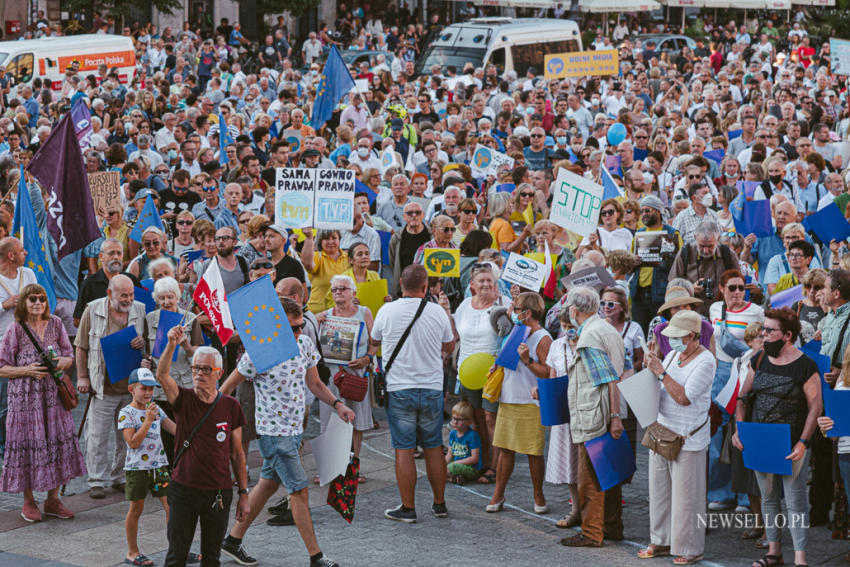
[{"x": 169, "y": 386}]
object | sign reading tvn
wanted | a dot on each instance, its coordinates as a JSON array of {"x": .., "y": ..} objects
[{"x": 581, "y": 64}]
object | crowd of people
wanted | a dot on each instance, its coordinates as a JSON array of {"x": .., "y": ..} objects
[{"x": 755, "y": 102}]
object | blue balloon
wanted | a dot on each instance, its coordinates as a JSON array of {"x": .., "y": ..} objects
[{"x": 616, "y": 133}]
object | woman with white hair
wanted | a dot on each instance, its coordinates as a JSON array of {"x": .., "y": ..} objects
[
  {"x": 344, "y": 291},
  {"x": 504, "y": 237},
  {"x": 166, "y": 293}
]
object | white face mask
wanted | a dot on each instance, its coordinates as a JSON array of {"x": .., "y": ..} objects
[
  {"x": 707, "y": 200},
  {"x": 363, "y": 152},
  {"x": 677, "y": 344}
]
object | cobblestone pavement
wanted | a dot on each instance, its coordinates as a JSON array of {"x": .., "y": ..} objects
[{"x": 469, "y": 536}]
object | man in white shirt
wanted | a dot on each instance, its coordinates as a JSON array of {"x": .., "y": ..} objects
[
  {"x": 415, "y": 386},
  {"x": 144, "y": 142},
  {"x": 164, "y": 137},
  {"x": 835, "y": 187},
  {"x": 357, "y": 112},
  {"x": 362, "y": 232},
  {"x": 311, "y": 49},
  {"x": 363, "y": 156}
]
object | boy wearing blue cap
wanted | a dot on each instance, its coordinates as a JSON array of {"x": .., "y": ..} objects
[{"x": 145, "y": 467}]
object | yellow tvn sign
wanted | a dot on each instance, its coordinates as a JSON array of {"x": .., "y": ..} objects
[{"x": 582, "y": 64}]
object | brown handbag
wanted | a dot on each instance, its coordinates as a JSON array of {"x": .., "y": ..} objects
[
  {"x": 67, "y": 393},
  {"x": 665, "y": 441},
  {"x": 351, "y": 386}
]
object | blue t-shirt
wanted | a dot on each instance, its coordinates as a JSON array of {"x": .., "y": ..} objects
[{"x": 462, "y": 446}]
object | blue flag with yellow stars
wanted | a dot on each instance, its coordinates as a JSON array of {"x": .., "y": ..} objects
[
  {"x": 224, "y": 139},
  {"x": 263, "y": 325},
  {"x": 334, "y": 83},
  {"x": 148, "y": 217},
  {"x": 25, "y": 229}
]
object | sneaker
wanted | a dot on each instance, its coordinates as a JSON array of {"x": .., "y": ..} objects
[
  {"x": 280, "y": 508},
  {"x": 237, "y": 553},
  {"x": 323, "y": 562},
  {"x": 30, "y": 513},
  {"x": 719, "y": 505},
  {"x": 97, "y": 492},
  {"x": 56, "y": 509},
  {"x": 399, "y": 515},
  {"x": 439, "y": 510},
  {"x": 741, "y": 509},
  {"x": 284, "y": 519}
]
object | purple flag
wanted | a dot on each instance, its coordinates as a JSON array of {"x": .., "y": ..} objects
[
  {"x": 82, "y": 123},
  {"x": 58, "y": 166}
]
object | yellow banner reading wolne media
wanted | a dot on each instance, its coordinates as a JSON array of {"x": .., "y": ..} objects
[{"x": 581, "y": 64}]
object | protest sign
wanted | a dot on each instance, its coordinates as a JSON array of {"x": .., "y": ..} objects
[
  {"x": 524, "y": 272},
  {"x": 656, "y": 247},
  {"x": 319, "y": 198},
  {"x": 487, "y": 161},
  {"x": 597, "y": 278},
  {"x": 389, "y": 158},
  {"x": 442, "y": 262},
  {"x": 576, "y": 203},
  {"x": 105, "y": 191},
  {"x": 839, "y": 56},
  {"x": 765, "y": 446},
  {"x": 294, "y": 138},
  {"x": 338, "y": 337},
  {"x": 581, "y": 64}
]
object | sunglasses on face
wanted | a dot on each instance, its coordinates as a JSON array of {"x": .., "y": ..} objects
[
  {"x": 413, "y": 213},
  {"x": 210, "y": 189},
  {"x": 297, "y": 328},
  {"x": 37, "y": 299},
  {"x": 468, "y": 211},
  {"x": 149, "y": 243},
  {"x": 735, "y": 287},
  {"x": 608, "y": 212},
  {"x": 448, "y": 229},
  {"x": 608, "y": 304},
  {"x": 526, "y": 194}
]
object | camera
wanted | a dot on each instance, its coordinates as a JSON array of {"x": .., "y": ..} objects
[{"x": 708, "y": 288}]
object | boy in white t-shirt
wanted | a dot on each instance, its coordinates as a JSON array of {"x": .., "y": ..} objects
[{"x": 146, "y": 464}]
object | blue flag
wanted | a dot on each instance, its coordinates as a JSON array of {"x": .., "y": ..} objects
[
  {"x": 360, "y": 187},
  {"x": 25, "y": 229},
  {"x": 714, "y": 155},
  {"x": 224, "y": 139},
  {"x": 732, "y": 134},
  {"x": 751, "y": 217},
  {"x": 334, "y": 83},
  {"x": 828, "y": 224},
  {"x": 639, "y": 154},
  {"x": 264, "y": 327},
  {"x": 148, "y": 217},
  {"x": 610, "y": 188}
]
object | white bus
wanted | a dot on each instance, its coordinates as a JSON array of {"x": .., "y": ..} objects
[
  {"x": 49, "y": 57},
  {"x": 508, "y": 43}
]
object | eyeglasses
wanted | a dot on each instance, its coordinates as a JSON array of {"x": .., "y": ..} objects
[
  {"x": 468, "y": 211},
  {"x": 297, "y": 328},
  {"x": 149, "y": 243},
  {"x": 796, "y": 255},
  {"x": 223, "y": 238},
  {"x": 641, "y": 137},
  {"x": 735, "y": 287},
  {"x": 694, "y": 176},
  {"x": 203, "y": 370},
  {"x": 537, "y": 135},
  {"x": 448, "y": 229},
  {"x": 37, "y": 299},
  {"x": 185, "y": 222},
  {"x": 608, "y": 304},
  {"x": 608, "y": 212},
  {"x": 526, "y": 194},
  {"x": 210, "y": 189},
  {"x": 339, "y": 289},
  {"x": 769, "y": 330},
  {"x": 413, "y": 213}
]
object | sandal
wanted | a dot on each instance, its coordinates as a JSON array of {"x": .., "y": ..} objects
[
  {"x": 761, "y": 543},
  {"x": 570, "y": 521},
  {"x": 489, "y": 477},
  {"x": 752, "y": 533},
  {"x": 361, "y": 479},
  {"x": 653, "y": 550},
  {"x": 141, "y": 560},
  {"x": 687, "y": 560},
  {"x": 769, "y": 561}
]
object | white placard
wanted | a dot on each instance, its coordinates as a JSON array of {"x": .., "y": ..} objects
[
  {"x": 332, "y": 449},
  {"x": 487, "y": 161},
  {"x": 524, "y": 272},
  {"x": 576, "y": 203},
  {"x": 318, "y": 198},
  {"x": 360, "y": 86},
  {"x": 389, "y": 158},
  {"x": 642, "y": 392},
  {"x": 334, "y": 206}
]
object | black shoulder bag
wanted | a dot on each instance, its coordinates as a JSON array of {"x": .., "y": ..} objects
[
  {"x": 380, "y": 386},
  {"x": 194, "y": 431}
]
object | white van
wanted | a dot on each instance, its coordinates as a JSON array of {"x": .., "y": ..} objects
[
  {"x": 49, "y": 57},
  {"x": 508, "y": 43}
]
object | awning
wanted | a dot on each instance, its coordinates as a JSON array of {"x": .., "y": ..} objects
[
  {"x": 618, "y": 5},
  {"x": 514, "y": 3}
]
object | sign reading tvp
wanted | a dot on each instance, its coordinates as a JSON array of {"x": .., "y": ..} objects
[{"x": 319, "y": 198}]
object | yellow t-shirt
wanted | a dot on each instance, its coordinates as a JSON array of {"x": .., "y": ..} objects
[
  {"x": 786, "y": 282},
  {"x": 502, "y": 232},
  {"x": 320, "y": 278},
  {"x": 122, "y": 235}
]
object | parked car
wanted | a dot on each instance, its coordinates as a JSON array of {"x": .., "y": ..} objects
[{"x": 669, "y": 44}]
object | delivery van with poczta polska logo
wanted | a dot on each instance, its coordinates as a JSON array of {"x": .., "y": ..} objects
[{"x": 48, "y": 58}]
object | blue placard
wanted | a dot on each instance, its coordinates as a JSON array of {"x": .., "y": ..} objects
[
  {"x": 385, "y": 237},
  {"x": 828, "y": 224},
  {"x": 119, "y": 356},
  {"x": 147, "y": 284},
  {"x": 613, "y": 459},
  {"x": 143, "y": 295},
  {"x": 167, "y": 321},
  {"x": 639, "y": 154},
  {"x": 192, "y": 255},
  {"x": 509, "y": 357},
  {"x": 554, "y": 406},
  {"x": 732, "y": 134},
  {"x": 836, "y": 405},
  {"x": 765, "y": 446},
  {"x": 787, "y": 297}
]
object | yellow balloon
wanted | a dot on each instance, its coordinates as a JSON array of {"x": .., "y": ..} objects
[{"x": 473, "y": 371}]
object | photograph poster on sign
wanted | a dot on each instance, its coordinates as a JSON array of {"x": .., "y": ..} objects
[
  {"x": 338, "y": 337},
  {"x": 318, "y": 198},
  {"x": 524, "y": 272},
  {"x": 576, "y": 203},
  {"x": 656, "y": 247}
]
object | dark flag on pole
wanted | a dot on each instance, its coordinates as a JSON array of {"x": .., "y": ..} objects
[{"x": 58, "y": 166}]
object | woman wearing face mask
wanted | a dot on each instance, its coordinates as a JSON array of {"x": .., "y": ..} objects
[
  {"x": 677, "y": 488},
  {"x": 472, "y": 321},
  {"x": 518, "y": 428},
  {"x": 786, "y": 389},
  {"x": 730, "y": 317},
  {"x": 731, "y": 172},
  {"x": 725, "y": 195}
]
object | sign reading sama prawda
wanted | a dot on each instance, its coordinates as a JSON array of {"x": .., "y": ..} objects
[
  {"x": 576, "y": 203},
  {"x": 318, "y": 198}
]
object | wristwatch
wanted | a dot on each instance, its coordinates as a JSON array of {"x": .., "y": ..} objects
[
  {"x": 243, "y": 491},
  {"x": 613, "y": 415},
  {"x": 336, "y": 401},
  {"x": 804, "y": 442}
]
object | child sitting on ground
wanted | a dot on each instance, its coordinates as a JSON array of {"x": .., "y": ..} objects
[
  {"x": 464, "y": 457},
  {"x": 146, "y": 465}
]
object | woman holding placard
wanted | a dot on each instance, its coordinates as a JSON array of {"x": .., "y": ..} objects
[
  {"x": 677, "y": 487},
  {"x": 785, "y": 388},
  {"x": 518, "y": 428},
  {"x": 609, "y": 235}
]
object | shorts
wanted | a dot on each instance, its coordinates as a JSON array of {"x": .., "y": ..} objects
[
  {"x": 415, "y": 416},
  {"x": 474, "y": 399},
  {"x": 138, "y": 483},
  {"x": 282, "y": 461}
]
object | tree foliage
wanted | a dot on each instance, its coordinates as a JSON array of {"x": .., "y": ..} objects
[
  {"x": 295, "y": 7},
  {"x": 119, "y": 7},
  {"x": 834, "y": 20}
]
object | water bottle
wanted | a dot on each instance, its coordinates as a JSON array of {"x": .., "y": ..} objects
[{"x": 54, "y": 358}]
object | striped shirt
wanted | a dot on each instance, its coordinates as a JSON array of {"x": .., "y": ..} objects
[{"x": 736, "y": 322}]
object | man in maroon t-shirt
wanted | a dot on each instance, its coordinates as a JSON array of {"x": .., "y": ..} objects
[{"x": 200, "y": 485}]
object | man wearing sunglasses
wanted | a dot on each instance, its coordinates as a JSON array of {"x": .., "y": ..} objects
[
  {"x": 212, "y": 205},
  {"x": 536, "y": 156},
  {"x": 178, "y": 198}
]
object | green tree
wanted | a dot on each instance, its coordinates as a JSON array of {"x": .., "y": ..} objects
[
  {"x": 118, "y": 8},
  {"x": 296, "y": 8}
]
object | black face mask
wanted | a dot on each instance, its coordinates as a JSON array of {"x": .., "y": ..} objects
[
  {"x": 776, "y": 179},
  {"x": 772, "y": 348}
]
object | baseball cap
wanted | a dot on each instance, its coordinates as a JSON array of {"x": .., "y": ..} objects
[
  {"x": 311, "y": 152},
  {"x": 278, "y": 229},
  {"x": 142, "y": 376},
  {"x": 397, "y": 124}
]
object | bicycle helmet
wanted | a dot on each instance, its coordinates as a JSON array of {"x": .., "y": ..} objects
[{"x": 398, "y": 110}]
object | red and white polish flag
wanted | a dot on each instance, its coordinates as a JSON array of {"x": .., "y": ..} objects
[{"x": 210, "y": 296}]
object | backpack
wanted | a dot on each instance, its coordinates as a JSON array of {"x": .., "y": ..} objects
[{"x": 725, "y": 255}]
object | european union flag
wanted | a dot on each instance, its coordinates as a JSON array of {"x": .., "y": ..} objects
[
  {"x": 224, "y": 139},
  {"x": 714, "y": 155},
  {"x": 25, "y": 229},
  {"x": 610, "y": 188},
  {"x": 360, "y": 187},
  {"x": 259, "y": 317},
  {"x": 333, "y": 84},
  {"x": 751, "y": 217},
  {"x": 148, "y": 217}
]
